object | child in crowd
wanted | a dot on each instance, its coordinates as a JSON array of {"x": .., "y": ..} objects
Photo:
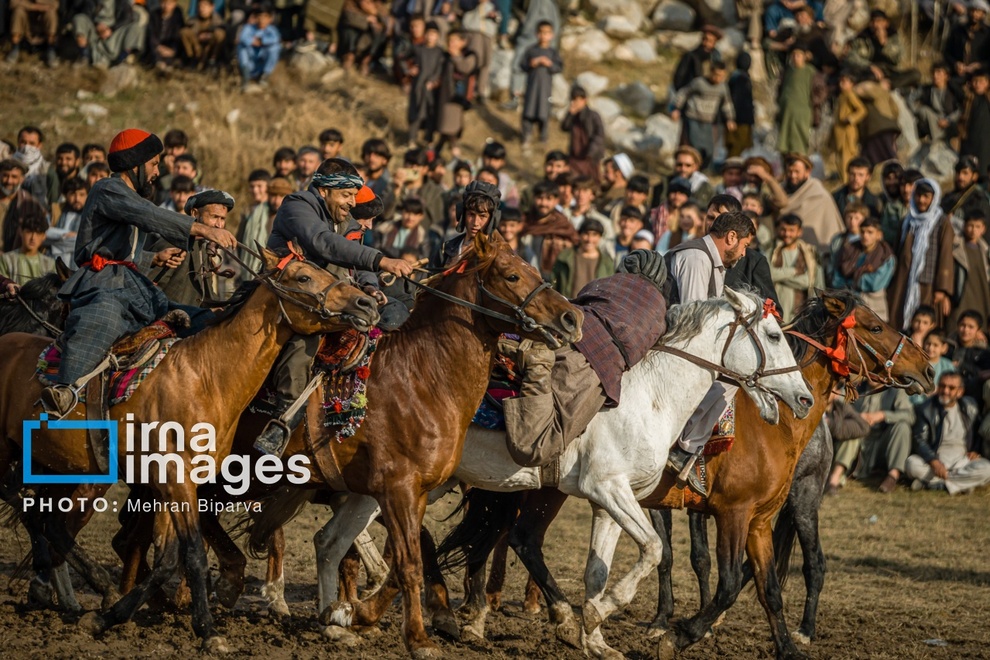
[
  {"x": 937, "y": 346},
  {"x": 922, "y": 323},
  {"x": 972, "y": 268},
  {"x": 26, "y": 262},
  {"x": 867, "y": 266},
  {"x": 577, "y": 266},
  {"x": 540, "y": 62}
]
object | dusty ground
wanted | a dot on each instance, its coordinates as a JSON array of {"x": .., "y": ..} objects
[{"x": 915, "y": 572}]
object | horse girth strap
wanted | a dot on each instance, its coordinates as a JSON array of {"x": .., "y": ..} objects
[{"x": 98, "y": 409}]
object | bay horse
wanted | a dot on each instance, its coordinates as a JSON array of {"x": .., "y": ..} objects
[
  {"x": 427, "y": 380},
  {"x": 748, "y": 484},
  {"x": 291, "y": 296},
  {"x": 727, "y": 336}
]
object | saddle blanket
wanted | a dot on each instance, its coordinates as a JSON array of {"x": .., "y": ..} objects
[{"x": 122, "y": 383}]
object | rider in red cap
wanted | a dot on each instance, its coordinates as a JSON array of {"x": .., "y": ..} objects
[{"x": 108, "y": 296}]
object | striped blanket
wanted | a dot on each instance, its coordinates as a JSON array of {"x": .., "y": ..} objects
[{"x": 122, "y": 383}]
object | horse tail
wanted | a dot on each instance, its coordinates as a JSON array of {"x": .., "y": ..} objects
[
  {"x": 783, "y": 542},
  {"x": 487, "y": 515},
  {"x": 277, "y": 509}
]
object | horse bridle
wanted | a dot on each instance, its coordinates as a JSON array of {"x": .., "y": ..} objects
[
  {"x": 273, "y": 280},
  {"x": 519, "y": 318}
]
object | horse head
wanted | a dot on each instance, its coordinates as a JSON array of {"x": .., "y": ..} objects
[
  {"x": 517, "y": 298},
  {"x": 39, "y": 310},
  {"x": 314, "y": 301},
  {"x": 766, "y": 362},
  {"x": 874, "y": 351}
]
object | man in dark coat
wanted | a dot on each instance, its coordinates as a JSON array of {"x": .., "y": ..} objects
[
  {"x": 108, "y": 296},
  {"x": 426, "y": 67},
  {"x": 975, "y": 138},
  {"x": 967, "y": 195},
  {"x": 540, "y": 62},
  {"x": 692, "y": 64},
  {"x": 318, "y": 221},
  {"x": 587, "y": 142}
]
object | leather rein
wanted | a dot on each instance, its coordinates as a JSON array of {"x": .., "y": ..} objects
[{"x": 856, "y": 374}]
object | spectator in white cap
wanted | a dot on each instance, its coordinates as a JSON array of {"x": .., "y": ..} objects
[
  {"x": 616, "y": 173},
  {"x": 643, "y": 240}
]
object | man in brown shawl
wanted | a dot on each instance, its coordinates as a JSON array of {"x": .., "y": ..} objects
[{"x": 547, "y": 231}]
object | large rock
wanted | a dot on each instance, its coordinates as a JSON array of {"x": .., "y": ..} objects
[
  {"x": 666, "y": 130},
  {"x": 731, "y": 43},
  {"x": 641, "y": 50},
  {"x": 936, "y": 161},
  {"x": 630, "y": 9},
  {"x": 682, "y": 41},
  {"x": 673, "y": 15},
  {"x": 619, "y": 26},
  {"x": 627, "y": 140},
  {"x": 908, "y": 142},
  {"x": 118, "y": 79},
  {"x": 715, "y": 12},
  {"x": 606, "y": 107},
  {"x": 592, "y": 82},
  {"x": 560, "y": 92},
  {"x": 594, "y": 45},
  {"x": 501, "y": 68},
  {"x": 637, "y": 97},
  {"x": 310, "y": 62}
]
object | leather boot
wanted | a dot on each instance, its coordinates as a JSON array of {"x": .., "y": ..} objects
[
  {"x": 59, "y": 400},
  {"x": 676, "y": 462},
  {"x": 275, "y": 436}
]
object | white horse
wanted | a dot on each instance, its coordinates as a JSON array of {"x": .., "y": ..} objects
[{"x": 620, "y": 458}]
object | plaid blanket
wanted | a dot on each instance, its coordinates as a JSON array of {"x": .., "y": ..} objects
[{"x": 122, "y": 383}]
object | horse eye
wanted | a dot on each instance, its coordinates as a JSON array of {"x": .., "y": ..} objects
[
  {"x": 512, "y": 278},
  {"x": 303, "y": 279},
  {"x": 774, "y": 337},
  {"x": 876, "y": 329}
]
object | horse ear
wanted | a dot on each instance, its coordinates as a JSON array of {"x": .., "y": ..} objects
[
  {"x": 833, "y": 305},
  {"x": 481, "y": 244},
  {"x": 270, "y": 258},
  {"x": 735, "y": 299},
  {"x": 63, "y": 271}
]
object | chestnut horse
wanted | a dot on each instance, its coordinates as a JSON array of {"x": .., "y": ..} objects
[
  {"x": 427, "y": 380},
  {"x": 747, "y": 485},
  {"x": 291, "y": 297}
]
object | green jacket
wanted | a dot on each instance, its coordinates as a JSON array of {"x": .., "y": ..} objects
[{"x": 563, "y": 270}]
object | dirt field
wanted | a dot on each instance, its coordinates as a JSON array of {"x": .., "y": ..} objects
[{"x": 903, "y": 570}]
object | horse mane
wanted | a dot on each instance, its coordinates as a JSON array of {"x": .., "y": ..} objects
[
  {"x": 813, "y": 320},
  {"x": 41, "y": 295},
  {"x": 687, "y": 320},
  {"x": 233, "y": 304}
]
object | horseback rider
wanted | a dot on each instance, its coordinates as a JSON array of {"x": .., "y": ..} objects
[
  {"x": 479, "y": 212},
  {"x": 108, "y": 296},
  {"x": 319, "y": 221},
  {"x": 697, "y": 270}
]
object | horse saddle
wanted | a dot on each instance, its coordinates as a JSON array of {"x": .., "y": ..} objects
[{"x": 135, "y": 350}]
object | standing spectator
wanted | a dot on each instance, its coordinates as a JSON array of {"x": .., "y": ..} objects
[
  {"x": 637, "y": 194},
  {"x": 665, "y": 217},
  {"x": 694, "y": 63},
  {"x": 733, "y": 178},
  {"x": 616, "y": 173},
  {"x": 938, "y": 107},
  {"x": 480, "y": 26},
  {"x": 687, "y": 164},
  {"x": 895, "y": 206},
  {"x": 108, "y": 32},
  {"x": 537, "y": 12},
  {"x": 164, "y": 40},
  {"x": 16, "y": 203},
  {"x": 849, "y": 112},
  {"x": 540, "y": 62},
  {"x": 968, "y": 196},
  {"x": 968, "y": 45},
  {"x": 510, "y": 226},
  {"x": 259, "y": 46},
  {"x": 584, "y": 210},
  {"x": 278, "y": 190},
  {"x": 411, "y": 181},
  {"x": 853, "y": 218},
  {"x": 690, "y": 225},
  {"x": 801, "y": 90},
  {"x": 888, "y": 444},
  {"x": 61, "y": 237},
  {"x": 866, "y": 266},
  {"x": 408, "y": 233},
  {"x": 554, "y": 164},
  {"x": 858, "y": 173},
  {"x": 973, "y": 134},
  {"x": 547, "y": 231},
  {"x": 741, "y": 90},
  {"x": 587, "y": 135},
  {"x": 375, "y": 154},
  {"x": 808, "y": 199},
  {"x": 284, "y": 162},
  {"x": 26, "y": 262},
  {"x": 577, "y": 266},
  {"x": 179, "y": 192},
  {"x": 331, "y": 143},
  {"x": 66, "y": 163},
  {"x": 307, "y": 161},
  {"x": 970, "y": 355},
  {"x": 493, "y": 156},
  {"x": 204, "y": 38},
  {"x": 878, "y": 49},
  {"x": 630, "y": 223},
  {"x": 947, "y": 450},
  {"x": 922, "y": 323},
  {"x": 95, "y": 172},
  {"x": 925, "y": 266},
  {"x": 703, "y": 102},
  {"x": 456, "y": 91},
  {"x": 878, "y": 133},
  {"x": 256, "y": 222},
  {"x": 426, "y": 69},
  {"x": 41, "y": 178},
  {"x": 186, "y": 165},
  {"x": 794, "y": 267},
  {"x": 26, "y": 17},
  {"x": 972, "y": 269}
]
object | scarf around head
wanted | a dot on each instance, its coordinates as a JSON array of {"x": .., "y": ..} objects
[
  {"x": 922, "y": 224},
  {"x": 31, "y": 156}
]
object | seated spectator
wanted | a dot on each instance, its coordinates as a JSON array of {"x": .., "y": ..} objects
[
  {"x": 687, "y": 165},
  {"x": 887, "y": 445},
  {"x": 704, "y": 102},
  {"x": 108, "y": 33},
  {"x": 631, "y": 222},
  {"x": 937, "y": 346},
  {"x": 307, "y": 162},
  {"x": 858, "y": 174},
  {"x": 577, "y": 266},
  {"x": 878, "y": 49},
  {"x": 794, "y": 266},
  {"x": 37, "y": 22},
  {"x": 973, "y": 136},
  {"x": 179, "y": 192},
  {"x": 258, "y": 46},
  {"x": 436, "y": 171},
  {"x": 849, "y": 112},
  {"x": 26, "y": 262},
  {"x": 970, "y": 356},
  {"x": 968, "y": 45},
  {"x": 164, "y": 41},
  {"x": 733, "y": 178},
  {"x": 846, "y": 426},
  {"x": 565, "y": 192},
  {"x": 408, "y": 233},
  {"x": 510, "y": 226},
  {"x": 41, "y": 178},
  {"x": 690, "y": 224},
  {"x": 547, "y": 232},
  {"x": 616, "y": 172},
  {"x": 946, "y": 448},
  {"x": 278, "y": 189},
  {"x": 972, "y": 268},
  {"x": 866, "y": 266},
  {"x": 375, "y": 155},
  {"x": 96, "y": 171},
  {"x": 938, "y": 108},
  {"x": 61, "y": 237},
  {"x": 361, "y": 34},
  {"x": 331, "y": 143},
  {"x": 922, "y": 323},
  {"x": 411, "y": 181},
  {"x": 554, "y": 164},
  {"x": 203, "y": 39},
  {"x": 16, "y": 203},
  {"x": 853, "y": 218}
]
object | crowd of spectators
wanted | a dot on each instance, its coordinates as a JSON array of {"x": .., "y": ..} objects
[{"x": 915, "y": 253}]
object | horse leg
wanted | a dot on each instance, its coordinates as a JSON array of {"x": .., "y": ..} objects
[
  {"x": 133, "y": 540},
  {"x": 273, "y": 590},
  {"x": 437, "y": 596},
  {"x": 350, "y": 571},
  {"x": 759, "y": 546},
  {"x": 526, "y": 538},
  {"x": 604, "y": 537},
  {"x": 496, "y": 574},
  {"x": 805, "y": 511},
  {"x": 665, "y": 591},
  {"x": 701, "y": 558},
  {"x": 733, "y": 530},
  {"x": 230, "y": 584},
  {"x": 54, "y": 530},
  {"x": 375, "y": 566}
]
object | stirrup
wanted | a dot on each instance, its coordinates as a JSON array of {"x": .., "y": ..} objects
[{"x": 274, "y": 438}]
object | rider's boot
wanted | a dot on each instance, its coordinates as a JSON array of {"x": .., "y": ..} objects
[
  {"x": 680, "y": 463},
  {"x": 59, "y": 400},
  {"x": 275, "y": 436}
]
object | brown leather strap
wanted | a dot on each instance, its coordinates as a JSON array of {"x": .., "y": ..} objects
[
  {"x": 550, "y": 474},
  {"x": 319, "y": 446},
  {"x": 98, "y": 409}
]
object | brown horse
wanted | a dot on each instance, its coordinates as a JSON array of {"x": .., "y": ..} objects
[
  {"x": 747, "y": 485},
  {"x": 290, "y": 297},
  {"x": 427, "y": 380}
]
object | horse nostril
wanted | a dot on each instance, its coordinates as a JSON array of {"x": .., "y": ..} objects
[
  {"x": 365, "y": 303},
  {"x": 930, "y": 372},
  {"x": 806, "y": 401},
  {"x": 568, "y": 320}
]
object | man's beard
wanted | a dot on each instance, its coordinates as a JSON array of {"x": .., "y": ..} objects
[
  {"x": 733, "y": 257},
  {"x": 8, "y": 192},
  {"x": 946, "y": 402},
  {"x": 791, "y": 188}
]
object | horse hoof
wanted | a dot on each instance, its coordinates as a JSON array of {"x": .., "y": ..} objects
[
  {"x": 656, "y": 629},
  {"x": 278, "y": 610},
  {"x": 92, "y": 623},
  {"x": 426, "y": 653},
  {"x": 337, "y": 614},
  {"x": 473, "y": 633},
  {"x": 110, "y": 599},
  {"x": 666, "y": 649},
  {"x": 719, "y": 620},
  {"x": 41, "y": 594},
  {"x": 216, "y": 644},
  {"x": 569, "y": 632},
  {"x": 445, "y": 624},
  {"x": 341, "y": 636},
  {"x": 800, "y": 638},
  {"x": 592, "y": 617},
  {"x": 227, "y": 592}
]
